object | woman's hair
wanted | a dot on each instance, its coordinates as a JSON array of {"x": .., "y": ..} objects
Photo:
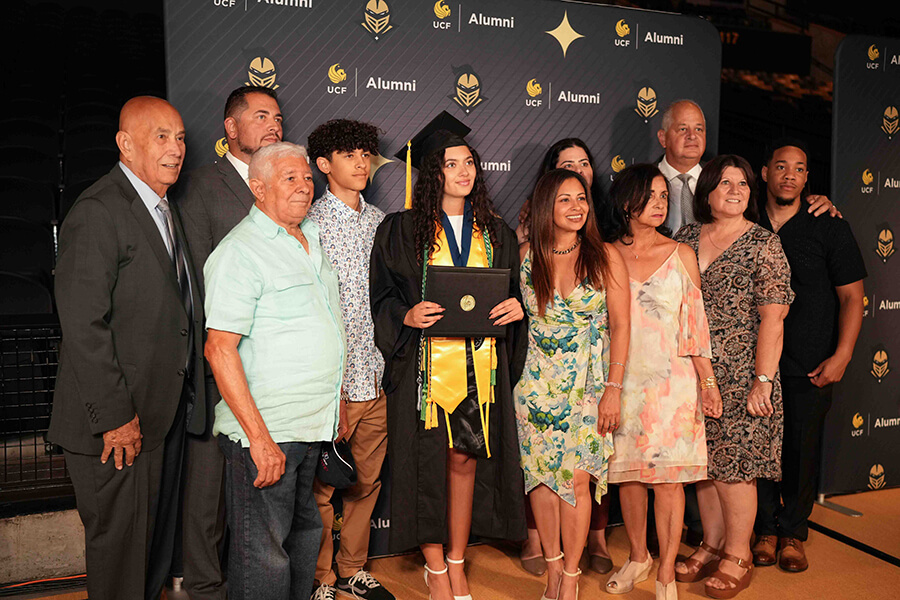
[
  {"x": 427, "y": 202},
  {"x": 551, "y": 157},
  {"x": 592, "y": 265},
  {"x": 709, "y": 180},
  {"x": 628, "y": 196}
]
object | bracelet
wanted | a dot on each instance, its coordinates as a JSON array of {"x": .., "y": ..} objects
[
  {"x": 709, "y": 382},
  {"x": 617, "y": 363},
  {"x": 613, "y": 384}
]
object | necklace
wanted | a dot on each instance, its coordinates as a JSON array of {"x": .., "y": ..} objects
[
  {"x": 709, "y": 237},
  {"x": 634, "y": 254},
  {"x": 569, "y": 249}
]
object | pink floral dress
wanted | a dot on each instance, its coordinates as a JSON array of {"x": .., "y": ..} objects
[{"x": 661, "y": 436}]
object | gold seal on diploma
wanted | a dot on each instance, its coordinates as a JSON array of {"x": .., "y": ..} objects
[{"x": 467, "y": 302}]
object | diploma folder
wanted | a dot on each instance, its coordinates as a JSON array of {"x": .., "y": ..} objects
[{"x": 467, "y": 294}]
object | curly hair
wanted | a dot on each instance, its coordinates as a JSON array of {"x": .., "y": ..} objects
[
  {"x": 428, "y": 195},
  {"x": 342, "y": 135}
]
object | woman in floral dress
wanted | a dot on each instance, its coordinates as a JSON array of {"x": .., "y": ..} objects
[
  {"x": 575, "y": 291},
  {"x": 661, "y": 440}
]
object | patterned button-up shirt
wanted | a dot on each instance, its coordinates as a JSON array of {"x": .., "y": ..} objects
[{"x": 346, "y": 237}]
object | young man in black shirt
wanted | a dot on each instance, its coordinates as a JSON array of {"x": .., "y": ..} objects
[{"x": 819, "y": 334}]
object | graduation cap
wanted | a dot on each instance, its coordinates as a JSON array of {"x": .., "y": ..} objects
[{"x": 444, "y": 131}]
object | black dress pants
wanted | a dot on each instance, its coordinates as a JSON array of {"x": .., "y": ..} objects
[
  {"x": 130, "y": 516},
  {"x": 785, "y": 506}
]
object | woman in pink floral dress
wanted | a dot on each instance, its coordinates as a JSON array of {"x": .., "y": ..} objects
[{"x": 661, "y": 438}]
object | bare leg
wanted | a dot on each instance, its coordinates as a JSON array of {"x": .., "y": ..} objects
[
  {"x": 739, "y": 511},
  {"x": 545, "y": 504},
  {"x": 438, "y": 585},
  {"x": 574, "y": 524},
  {"x": 460, "y": 489},
  {"x": 713, "y": 522},
  {"x": 531, "y": 547},
  {"x": 669, "y": 511},
  {"x": 633, "y": 497}
]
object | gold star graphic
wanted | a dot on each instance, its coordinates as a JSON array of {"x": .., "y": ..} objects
[
  {"x": 378, "y": 161},
  {"x": 564, "y": 33}
]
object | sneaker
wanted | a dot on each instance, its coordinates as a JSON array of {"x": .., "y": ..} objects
[
  {"x": 324, "y": 592},
  {"x": 363, "y": 586}
]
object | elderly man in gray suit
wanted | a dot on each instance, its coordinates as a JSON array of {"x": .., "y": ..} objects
[
  {"x": 217, "y": 197},
  {"x": 130, "y": 366}
]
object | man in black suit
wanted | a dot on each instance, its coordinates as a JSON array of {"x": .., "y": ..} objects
[
  {"x": 216, "y": 199},
  {"x": 130, "y": 364}
]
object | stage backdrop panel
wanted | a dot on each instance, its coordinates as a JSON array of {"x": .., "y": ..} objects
[
  {"x": 862, "y": 432},
  {"x": 521, "y": 73}
]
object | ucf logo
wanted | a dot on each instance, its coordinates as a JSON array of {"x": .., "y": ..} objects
[
  {"x": 262, "y": 72},
  {"x": 890, "y": 122},
  {"x": 876, "y": 477},
  {"x": 221, "y": 147},
  {"x": 646, "y": 103},
  {"x": 468, "y": 88},
  {"x": 377, "y": 18},
  {"x": 858, "y": 421},
  {"x": 885, "y": 247},
  {"x": 880, "y": 366},
  {"x": 336, "y": 74},
  {"x": 533, "y": 89},
  {"x": 617, "y": 163}
]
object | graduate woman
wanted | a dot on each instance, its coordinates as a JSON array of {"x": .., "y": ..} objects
[{"x": 451, "y": 433}]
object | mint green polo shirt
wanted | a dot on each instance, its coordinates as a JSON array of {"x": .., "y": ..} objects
[{"x": 262, "y": 284}]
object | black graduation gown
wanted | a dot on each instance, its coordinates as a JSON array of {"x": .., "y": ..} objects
[{"x": 418, "y": 457}]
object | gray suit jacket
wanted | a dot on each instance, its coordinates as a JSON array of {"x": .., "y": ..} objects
[
  {"x": 216, "y": 199},
  {"x": 124, "y": 328}
]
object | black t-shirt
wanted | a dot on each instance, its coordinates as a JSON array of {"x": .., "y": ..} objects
[{"x": 823, "y": 255}]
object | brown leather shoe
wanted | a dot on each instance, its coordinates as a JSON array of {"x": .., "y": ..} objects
[
  {"x": 764, "y": 550},
  {"x": 793, "y": 557}
]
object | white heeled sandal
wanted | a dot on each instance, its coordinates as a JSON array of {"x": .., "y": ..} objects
[
  {"x": 575, "y": 574},
  {"x": 630, "y": 574},
  {"x": 666, "y": 591},
  {"x": 550, "y": 560},
  {"x": 461, "y": 561},
  {"x": 427, "y": 571}
]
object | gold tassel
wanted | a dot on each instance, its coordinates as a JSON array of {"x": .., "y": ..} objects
[
  {"x": 407, "y": 204},
  {"x": 449, "y": 433}
]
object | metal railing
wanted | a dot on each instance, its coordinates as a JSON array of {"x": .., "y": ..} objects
[{"x": 31, "y": 468}]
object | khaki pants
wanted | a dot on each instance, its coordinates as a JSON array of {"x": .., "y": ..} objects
[{"x": 367, "y": 422}]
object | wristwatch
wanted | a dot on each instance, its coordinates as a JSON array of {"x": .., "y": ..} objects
[{"x": 763, "y": 379}]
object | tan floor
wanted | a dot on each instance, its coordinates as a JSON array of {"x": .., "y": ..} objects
[
  {"x": 837, "y": 571},
  {"x": 879, "y": 526}
]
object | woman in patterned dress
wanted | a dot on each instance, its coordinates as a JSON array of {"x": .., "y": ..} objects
[
  {"x": 571, "y": 154},
  {"x": 745, "y": 279},
  {"x": 661, "y": 439},
  {"x": 575, "y": 291}
]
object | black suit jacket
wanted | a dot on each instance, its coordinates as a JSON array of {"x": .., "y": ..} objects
[
  {"x": 215, "y": 199},
  {"x": 124, "y": 327}
]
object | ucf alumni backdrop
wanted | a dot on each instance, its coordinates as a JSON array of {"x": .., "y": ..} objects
[
  {"x": 521, "y": 73},
  {"x": 862, "y": 431}
]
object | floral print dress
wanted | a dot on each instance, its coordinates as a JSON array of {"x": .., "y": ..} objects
[
  {"x": 556, "y": 399},
  {"x": 661, "y": 436}
]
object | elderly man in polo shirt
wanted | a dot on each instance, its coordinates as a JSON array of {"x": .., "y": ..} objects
[{"x": 276, "y": 347}]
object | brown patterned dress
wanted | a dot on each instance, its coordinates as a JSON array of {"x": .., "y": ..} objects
[{"x": 752, "y": 272}]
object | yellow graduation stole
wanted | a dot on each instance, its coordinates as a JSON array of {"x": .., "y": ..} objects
[{"x": 444, "y": 359}]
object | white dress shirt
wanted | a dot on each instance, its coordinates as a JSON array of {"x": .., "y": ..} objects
[
  {"x": 240, "y": 166},
  {"x": 674, "y": 220}
]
